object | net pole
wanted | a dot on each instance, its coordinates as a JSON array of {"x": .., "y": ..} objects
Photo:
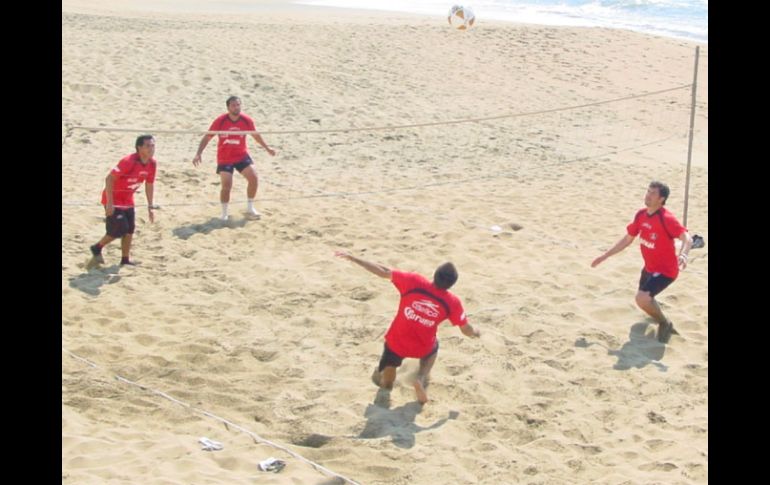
[{"x": 689, "y": 146}]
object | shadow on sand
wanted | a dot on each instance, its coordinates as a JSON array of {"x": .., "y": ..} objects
[
  {"x": 398, "y": 423},
  {"x": 640, "y": 350},
  {"x": 213, "y": 224},
  {"x": 91, "y": 281}
]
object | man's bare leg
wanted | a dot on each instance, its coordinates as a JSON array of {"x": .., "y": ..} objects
[
  {"x": 384, "y": 378},
  {"x": 387, "y": 377},
  {"x": 226, "y": 179},
  {"x": 125, "y": 245},
  {"x": 651, "y": 307},
  {"x": 252, "y": 181},
  {"x": 250, "y": 173},
  {"x": 423, "y": 375},
  {"x": 106, "y": 240},
  {"x": 226, "y": 185}
]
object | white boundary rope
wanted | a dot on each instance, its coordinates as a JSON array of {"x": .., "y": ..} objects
[
  {"x": 503, "y": 174},
  {"x": 377, "y": 128},
  {"x": 254, "y": 436}
]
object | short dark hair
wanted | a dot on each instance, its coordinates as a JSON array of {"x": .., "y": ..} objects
[
  {"x": 445, "y": 276},
  {"x": 663, "y": 189},
  {"x": 141, "y": 139},
  {"x": 231, "y": 99}
]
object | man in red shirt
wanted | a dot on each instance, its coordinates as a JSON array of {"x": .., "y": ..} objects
[
  {"x": 657, "y": 228},
  {"x": 412, "y": 334},
  {"x": 233, "y": 155},
  {"x": 118, "y": 198}
]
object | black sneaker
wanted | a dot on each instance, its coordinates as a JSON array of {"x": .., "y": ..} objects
[
  {"x": 697, "y": 242},
  {"x": 664, "y": 332},
  {"x": 96, "y": 257}
]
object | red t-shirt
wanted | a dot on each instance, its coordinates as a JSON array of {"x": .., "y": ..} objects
[
  {"x": 421, "y": 309},
  {"x": 232, "y": 148},
  {"x": 129, "y": 175},
  {"x": 657, "y": 240}
]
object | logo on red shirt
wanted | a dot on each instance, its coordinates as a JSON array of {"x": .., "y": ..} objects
[{"x": 426, "y": 306}]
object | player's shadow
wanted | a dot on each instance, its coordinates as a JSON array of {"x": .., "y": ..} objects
[
  {"x": 213, "y": 224},
  {"x": 91, "y": 281},
  {"x": 641, "y": 349},
  {"x": 398, "y": 423}
]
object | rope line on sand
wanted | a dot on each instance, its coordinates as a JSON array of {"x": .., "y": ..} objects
[
  {"x": 384, "y": 127},
  {"x": 503, "y": 174},
  {"x": 253, "y": 435}
]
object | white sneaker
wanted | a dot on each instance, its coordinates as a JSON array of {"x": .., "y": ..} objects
[
  {"x": 252, "y": 213},
  {"x": 224, "y": 217}
]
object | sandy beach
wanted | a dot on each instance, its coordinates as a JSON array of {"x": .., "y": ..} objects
[{"x": 496, "y": 149}]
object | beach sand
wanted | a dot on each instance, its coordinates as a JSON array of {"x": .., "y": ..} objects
[{"x": 257, "y": 323}]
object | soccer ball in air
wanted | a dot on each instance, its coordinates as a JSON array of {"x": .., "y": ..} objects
[{"x": 460, "y": 17}]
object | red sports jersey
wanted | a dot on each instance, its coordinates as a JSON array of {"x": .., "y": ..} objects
[
  {"x": 422, "y": 308},
  {"x": 232, "y": 148},
  {"x": 129, "y": 175},
  {"x": 657, "y": 232}
]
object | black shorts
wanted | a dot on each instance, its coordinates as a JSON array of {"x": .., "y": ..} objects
[
  {"x": 392, "y": 359},
  {"x": 120, "y": 223},
  {"x": 238, "y": 166},
  {"x": 653, "y": 283}
]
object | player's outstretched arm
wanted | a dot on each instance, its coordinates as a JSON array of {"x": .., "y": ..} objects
[
  {"x": 378, "y": 269},
  {"x": 201, "y": 146},
  {"x": 469, "y": 331},
  {"x": 618, "y": 247}
]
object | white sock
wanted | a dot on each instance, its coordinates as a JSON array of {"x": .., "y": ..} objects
[
  {"x": 250, "y": 205},
  {"x": 224, "y": 210}
]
